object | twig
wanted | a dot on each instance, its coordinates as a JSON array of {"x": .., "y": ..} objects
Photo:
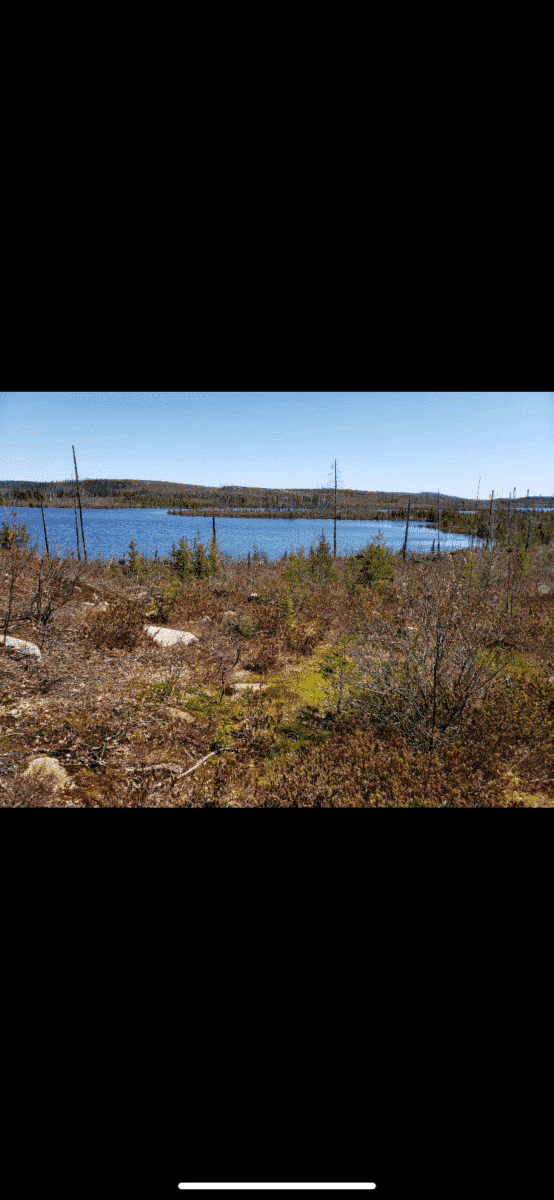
[
  {"x": 222, "y": 750},
  {"x": 226, "y": 671}
]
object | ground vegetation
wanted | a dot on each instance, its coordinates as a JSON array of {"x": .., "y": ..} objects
[{"x": 371, "y": 681}]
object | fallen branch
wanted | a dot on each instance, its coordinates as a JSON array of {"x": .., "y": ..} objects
[{"x": 222, "y": 750}]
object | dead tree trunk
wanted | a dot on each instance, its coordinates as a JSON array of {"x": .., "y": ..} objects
[
  {"x": 406, "y": 534},
  {"x": 76, "y": 530},
  {"x": 80, "y": 510}
]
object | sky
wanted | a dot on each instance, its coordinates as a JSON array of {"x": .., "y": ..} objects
[{"x": 383, "y": 441}]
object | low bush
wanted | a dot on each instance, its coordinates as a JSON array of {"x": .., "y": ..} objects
[
  {"x": 373, "y": 568},
  {"x": 266, "y": 656},
  {"x": 120, "y": 627},
  {"x": 238, "y": 625}
]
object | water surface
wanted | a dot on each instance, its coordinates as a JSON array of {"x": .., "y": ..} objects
[{"x": 108, "y": 532}]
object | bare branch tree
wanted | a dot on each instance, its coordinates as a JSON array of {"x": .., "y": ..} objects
[
  {"x": 80, "y": 509},
  {"x": 335, "y": 482},
  {"x": 406, "y": 534}
]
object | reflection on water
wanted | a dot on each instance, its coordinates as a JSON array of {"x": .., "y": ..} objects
[{"x": 108, "y": 532}]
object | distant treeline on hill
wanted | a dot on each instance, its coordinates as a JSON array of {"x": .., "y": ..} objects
[{"x": 351, "y": 504}]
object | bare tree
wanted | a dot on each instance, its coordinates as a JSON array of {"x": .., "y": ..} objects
[
  {"x": 406, "y": 534},
  {"x": 491, "y": 518},
  {"x": 335, "y": 482},
  {"x": 40, "y": 497},
  {"x": 76, "y": 530},
  {"x": 80, "y": 510}
]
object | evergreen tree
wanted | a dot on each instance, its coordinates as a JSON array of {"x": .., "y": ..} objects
[
  {"x": 133, "y": 557},
  {"x": 200, "y": 564},
  {"x": 214, "y": 564},
  {"x": 286, "y": 604},
  {"x": 294, "y": 570},
  {"x": 321, "y": 561},
  {"x": 373, "y": 568},
  {"x": 180, "y": 560}
]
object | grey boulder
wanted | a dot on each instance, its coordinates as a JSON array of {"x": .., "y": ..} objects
[
  {"x": 22, "y": 647},
  {"x": 169, "y": 637}
]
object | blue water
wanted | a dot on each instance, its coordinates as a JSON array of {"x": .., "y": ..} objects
[{"x": 108, "y": 532}]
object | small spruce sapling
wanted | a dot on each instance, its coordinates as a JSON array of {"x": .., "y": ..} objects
[{"x": 321, "y": 561}]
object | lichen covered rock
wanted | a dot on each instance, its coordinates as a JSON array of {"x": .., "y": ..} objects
[
  {"x": 169, "y": 637},
  {"x": 49, "y": 770},
  {"x": 19, "y": 646}
]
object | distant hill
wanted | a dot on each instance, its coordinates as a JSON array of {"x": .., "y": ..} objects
[
  {"x": 148, "y": 493},
  {"x": 443, "y": 495},
  {"x": 149, "y": 485}
]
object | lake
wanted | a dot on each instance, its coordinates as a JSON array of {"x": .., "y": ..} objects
[{"x": 108, "y": 532}]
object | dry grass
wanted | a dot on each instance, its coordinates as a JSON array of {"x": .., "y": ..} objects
[{"x": 128, "y": 720}]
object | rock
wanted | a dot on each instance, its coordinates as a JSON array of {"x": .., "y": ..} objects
[
  {"x": 256, "y": 687},
  {"x": 169, "y": 637},
  {"x": 181, "y": 715},
  {"x": 49, "y": 770},
  {"x": 207, "y": 620},
  {"x": 100, "y": 607},
  {"x": 26, "y": 649},
  {"x": 543, "y": 589}
]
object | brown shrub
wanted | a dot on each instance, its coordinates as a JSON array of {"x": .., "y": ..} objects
[
  {"x": 121, "y": 627},
  {"x": 265, "y": 655},
  {"x": 195, "y": 600},
  {"x": 353, "y": 769}
]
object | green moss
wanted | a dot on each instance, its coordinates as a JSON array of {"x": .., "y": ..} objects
[
  {"x": 203, "y": 704},
  {"x": 521, "y": 665},
  {"x": 517, "y": 666},
  {"x": 309, "y": 688},
  {"x": 293, "y": 737},
  {"x": 530, "y": 799}
]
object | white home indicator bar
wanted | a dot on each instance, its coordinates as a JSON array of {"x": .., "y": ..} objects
[{"x": 275, "y": 1187}]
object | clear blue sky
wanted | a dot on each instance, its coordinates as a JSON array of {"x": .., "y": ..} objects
[{"x": 383, "y": 441}]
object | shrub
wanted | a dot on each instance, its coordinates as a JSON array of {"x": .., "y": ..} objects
[
  {"x": 166, "y": 602},
  {"x": 121, "y": 627},
  {"x": 339, "y": 671},
  {"x": 239, "y": 625},
  {"x": 423, "y": 681},
  {"x": 266, "y": 657},
  {"x": 12, "y": 536},
  {"x": 286, "y": 605},
  {"x": 372, "y": 568}
]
